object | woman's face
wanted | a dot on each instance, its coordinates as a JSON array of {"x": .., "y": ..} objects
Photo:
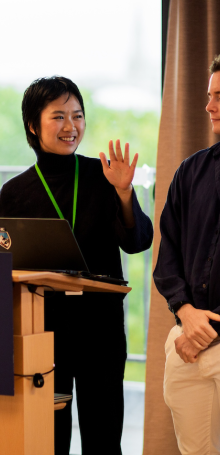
[{"x": 62, "y": 126}]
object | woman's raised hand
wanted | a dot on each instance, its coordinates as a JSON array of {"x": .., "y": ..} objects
[{"x": 120, "y": 172}]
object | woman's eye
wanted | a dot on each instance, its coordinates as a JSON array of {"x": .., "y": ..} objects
[
  {"x": 60, "y": 117},
  {"x": 79, "y": 116}
]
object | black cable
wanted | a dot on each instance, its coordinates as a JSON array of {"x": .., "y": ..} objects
[
  {"x": 38, "y": 378},
  {"x": 32, "y": 375},
  {"x": 32, "y": 289}
]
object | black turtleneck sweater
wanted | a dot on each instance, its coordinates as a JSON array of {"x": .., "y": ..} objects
[
  {"x": 99, "y": 228},
  {"x": 91, "y": 325}
]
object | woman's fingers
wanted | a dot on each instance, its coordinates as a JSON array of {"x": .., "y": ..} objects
[
  {"x": 112, "y": 155},
  {"x": 119, "y": 155},
  {"x": 104, "y": 161},
  {"x": 127, "y": 155},
  {"x": 119, "y": 163},
  {"x": 134, "y": 162}
]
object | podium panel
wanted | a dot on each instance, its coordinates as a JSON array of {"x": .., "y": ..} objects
[{"x": 27, "y": 419}]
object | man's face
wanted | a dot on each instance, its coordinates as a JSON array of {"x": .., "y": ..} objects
[
  {"x": 62, "y": 126},
  {"x": 213, "y": 106}
]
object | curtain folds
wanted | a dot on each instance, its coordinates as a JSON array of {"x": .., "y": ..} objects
[{"x": 193, "y": 41}]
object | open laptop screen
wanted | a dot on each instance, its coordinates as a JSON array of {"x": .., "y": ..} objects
[{"x": 41, "y": 244}]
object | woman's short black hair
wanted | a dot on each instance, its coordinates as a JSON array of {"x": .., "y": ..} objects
[{"x": 38, "y": 95}]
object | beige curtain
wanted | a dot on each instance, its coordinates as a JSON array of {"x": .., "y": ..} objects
[{"x": 193, "y": 40}]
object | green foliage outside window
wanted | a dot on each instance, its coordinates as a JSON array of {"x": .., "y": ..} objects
[{"x": 102, "y": 124}]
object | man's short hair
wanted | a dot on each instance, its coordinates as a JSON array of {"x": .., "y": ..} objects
[
  {"x": 38, "y": 95},
  {"x": 215, "y": 65}
]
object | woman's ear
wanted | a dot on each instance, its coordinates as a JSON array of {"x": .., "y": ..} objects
[{"x": 31, "y": 129}]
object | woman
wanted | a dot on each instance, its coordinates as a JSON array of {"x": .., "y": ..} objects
[{"x": 104, "y": 213}]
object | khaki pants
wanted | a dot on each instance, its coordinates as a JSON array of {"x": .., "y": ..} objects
[{"x": 192, "y": 392}]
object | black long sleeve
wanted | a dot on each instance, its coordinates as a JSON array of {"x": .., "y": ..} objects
[{"x": 99, "y": 227}]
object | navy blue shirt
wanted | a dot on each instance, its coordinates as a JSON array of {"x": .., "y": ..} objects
[{"x": 188, "y": 266}]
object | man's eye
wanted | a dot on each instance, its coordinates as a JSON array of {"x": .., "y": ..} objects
[
  {"x": 79, "y": 116},
  {"x": 59, "y": 117}
]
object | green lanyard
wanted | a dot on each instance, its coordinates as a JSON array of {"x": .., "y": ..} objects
[{"x": 76, "y": 180}]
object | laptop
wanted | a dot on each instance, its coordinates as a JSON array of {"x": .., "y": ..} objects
[{"x": 45, "y": 244}]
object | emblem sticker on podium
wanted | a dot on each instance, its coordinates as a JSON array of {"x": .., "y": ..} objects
[{"x": 5, "y": 239}]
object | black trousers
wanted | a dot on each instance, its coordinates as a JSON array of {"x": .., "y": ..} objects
[{"x": 90, "y": 355}]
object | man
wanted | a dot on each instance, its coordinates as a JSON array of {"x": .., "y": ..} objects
[{"x": 187, "y": 274}]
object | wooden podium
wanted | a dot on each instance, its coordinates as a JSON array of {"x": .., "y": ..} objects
[{"x": 27, "y": 418}]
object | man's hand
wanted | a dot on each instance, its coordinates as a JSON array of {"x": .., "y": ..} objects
[
  {"x": 187, "y": 352},
  {"x": 196, "y": 327}
]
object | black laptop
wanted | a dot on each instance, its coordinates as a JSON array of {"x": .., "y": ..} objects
[{"x": 45, "y": 244}]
